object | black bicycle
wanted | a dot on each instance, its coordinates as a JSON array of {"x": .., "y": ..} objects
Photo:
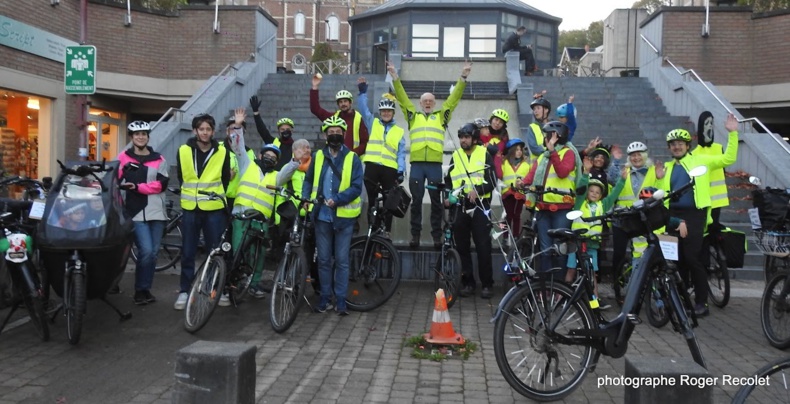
[
  {"x": 716, "y": 268},
  {"x": 527, "y": 243},
  {"x": 545, "y": 337},
  {"x": 770, "y": 384},
  {"x": 775, "y": 309},
  {"x": 447, "y": 270}
]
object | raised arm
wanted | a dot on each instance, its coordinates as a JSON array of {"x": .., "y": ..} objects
[
  {"x": 315, "y": 105},
  {"x": 263, "y": 131}
]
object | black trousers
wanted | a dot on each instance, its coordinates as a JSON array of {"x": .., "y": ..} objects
[
  {"x": 689, "y": 248},
  {"x": 378, "y": 175},
  {"x": 477, "y": 228}
]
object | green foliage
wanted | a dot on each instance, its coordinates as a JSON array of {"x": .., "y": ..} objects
[
  {"x": 167, "y": 5},
  {"x": 650, "y": 5},
  {"x": 324, "y": 52},
  {"x": 765, "y": 5},
  {"x": 577, "y": 38},
  {"x": 425, "y": 350}
]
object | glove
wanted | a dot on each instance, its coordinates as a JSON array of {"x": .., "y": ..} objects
[
  {"x": 492, "y": 149},
  {"x": 400, "y": 177},
  {"x": 255, "y": 103},
  {"x": 363, "y": 88}
]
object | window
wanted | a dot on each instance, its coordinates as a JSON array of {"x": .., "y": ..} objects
[
  {"x": 332, "y": 28},
  {"x": 482, "y": 40},
  {"x": 425, "y": 40},
  {"x": 454, "y": 42},
  {"x": 299, "y": 24}
]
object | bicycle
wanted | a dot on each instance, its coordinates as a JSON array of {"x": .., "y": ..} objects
[
  {"x": 213, "y": 279},
  {"x": 170, "y": 247},
  {"x": 528, "y": 242},
  {"x": 539, "y": 319},
  {"x": 447, "y": 271},
  {"x": 718, "y": 274},
  {"x": 771, "y": 384},
  {"x": 375, "y": 268}
]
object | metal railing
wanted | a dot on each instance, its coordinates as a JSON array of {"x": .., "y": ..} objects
[
  {"x": 332, "y": 66},
  {"x": 178, "y": 114}
]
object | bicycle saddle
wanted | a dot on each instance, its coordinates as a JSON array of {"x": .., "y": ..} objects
[{"x": 566, "y": 234}]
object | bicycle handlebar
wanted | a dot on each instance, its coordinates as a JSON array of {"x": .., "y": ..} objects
[
  {"x": 647, "y": 204},
  {"x": 291, "y": 193},
  {"x": 543, "y": 191}
]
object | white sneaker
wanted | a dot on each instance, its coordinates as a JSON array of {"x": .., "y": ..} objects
[
  {"x": 224, "y": 300},
  {"x": 181, "y": 302}
]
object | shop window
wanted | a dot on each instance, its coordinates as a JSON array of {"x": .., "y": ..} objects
[
  {"x": 299, "y": 23},
  {"x": 19, "y": 132},
  {"x": 332, "y": 28}
]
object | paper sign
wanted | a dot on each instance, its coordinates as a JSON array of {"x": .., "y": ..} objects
[
  {"x": 37, "y": 210},
  {"x": 669, "y": 247},
  {"x": 754, "y": 217}
]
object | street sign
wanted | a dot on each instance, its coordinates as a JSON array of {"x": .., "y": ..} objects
[{"x": 80, "y": 69}]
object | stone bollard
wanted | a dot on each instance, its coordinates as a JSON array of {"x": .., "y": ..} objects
[
  {"x": 215, "y": 372},
  {"x": 674, "y": 380}
]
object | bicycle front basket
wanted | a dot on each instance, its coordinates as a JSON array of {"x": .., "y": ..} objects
[{"x": 632, "y": 225}]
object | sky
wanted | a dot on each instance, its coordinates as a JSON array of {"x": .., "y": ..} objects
[{"x": 578, "y": 14}]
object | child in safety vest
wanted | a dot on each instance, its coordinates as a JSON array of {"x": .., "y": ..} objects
[{"x": 514, "y": 169}]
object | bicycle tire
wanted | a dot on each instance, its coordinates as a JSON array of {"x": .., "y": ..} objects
[
  {"x": 243, "y": 269},
  {"x": 678, "y": 311},
  {"x": 373, "y": 278},
  {"x": 775, "y": 312},
  {"x": 33, "y": 301},
  {"x": 290, "y": 282},
  {"x": 447, "y": 275},
  {"x": 718, "y": 278},
  {"x": 778, "y": 372},
  {"x": 657, "y": 313},
  {"x": 774, "y": 265},
  {"x": 620, "y": 280},
  {"x": 515, "y": 322},
  {"x": 169, "y": 253},
  {"x": 75, "y": 309},
  {"x": 204, "y": 295}
]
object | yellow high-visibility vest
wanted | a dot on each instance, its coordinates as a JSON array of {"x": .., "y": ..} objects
[
  {"x": 209, "y": 181},
  {"x": 469, "y": 168},
  {"x": 383, "y": 150},
  {"x": 357, "y": 122},
  {"x": 353, "y": 209},
  {"x": 718, "y": 186},
  {"x": 509, "y": 175},
  {"x": 627, "y": 196},
  {"x": 427, "y": 138},
  {"x": 536, "y": 129},
  {"x": 253, "y": 192},
  {"x": 553, "y": 181}
]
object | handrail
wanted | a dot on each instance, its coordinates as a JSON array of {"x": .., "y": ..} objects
[
  {"x": 170, "y": 110},
  {"x": 650, "y": 44},
  {"x": 265, "y": 42}
]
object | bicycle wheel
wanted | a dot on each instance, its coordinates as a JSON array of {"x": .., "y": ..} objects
[
  {"x": 679, "y": 305},
  {"x": 775, "y": 311},
  {"x": 777, "y": 390},
  {"x": 774, "y": 265},
  {"x": 374, "y": 276},
  {"x": 169, "y": 250},
  {"x": 288, "y": 290},
  {"x": 447, "y": 275},
  {"x": 207, "y": 288},
  {"x": 657, "y": 312},
  {"x": 243, "y": 269},
  {"x": 34, "y": 302},
  {"x": 531, "y": 359},
  {"x": 620, "y": 282},
  {"x": 75, "y": 307},
  {"x": 718, "y": 277}
]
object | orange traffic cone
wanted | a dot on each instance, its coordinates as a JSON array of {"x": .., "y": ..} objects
[{"x": 441, "y": 328}]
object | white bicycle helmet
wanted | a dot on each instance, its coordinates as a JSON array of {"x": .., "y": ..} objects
[
  {"x": 139, "y": 126},
  {"x": 636, "y": 147}
]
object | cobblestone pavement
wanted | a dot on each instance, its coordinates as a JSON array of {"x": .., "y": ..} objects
[{"x": 324, "y": 358}]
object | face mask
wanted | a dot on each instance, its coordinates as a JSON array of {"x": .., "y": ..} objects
[
  {"x": 268, "y": 162},
  {"x": 285, "y": 134},
  {"x": 334, "y": 141}
]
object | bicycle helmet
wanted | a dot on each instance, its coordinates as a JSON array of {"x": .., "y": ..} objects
[
  {"x": 647, "y": 192},
  {"x": 679, "y": 134},
  {"x": 334, "y": 121},
  {"x": 541, "y": 101},
  {"x": 560, "y": 128},
  {"x": 636, "y": 147},
  {"x": 598, "y": 183},
  {"x": 501, "y": 114},
  {"x": 285, "y": 121},
  {"x": 482, "y": 123},
  {"x": 469, "y": 129},
  {"x": 271, "y": 147},
  {"x": 344, "y": 94},
  {"x": 513, "y": 142},
  {"x": 386, "y": 103},
  {"x": 562, "y": 111},
  {"x": 139, "y": 126}
]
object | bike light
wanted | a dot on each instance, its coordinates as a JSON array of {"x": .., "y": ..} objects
[
  {"x": 567, "y": 199},
  {"x": 226, "y": 247}
]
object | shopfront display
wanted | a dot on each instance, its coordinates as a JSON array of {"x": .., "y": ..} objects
[{"x": 19, "y": 129}]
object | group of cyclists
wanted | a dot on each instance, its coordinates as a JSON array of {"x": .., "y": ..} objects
[{"x": 365, "y": 149}]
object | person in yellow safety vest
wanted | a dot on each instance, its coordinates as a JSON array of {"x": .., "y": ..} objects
[
  {"x": 233, "y": 187},
  {"x": 556, "y": 168},
  {"x": 335, "y": 179},
  {"x": 385, "y": 156},
  {"x": 541, "y": 108},
  {"x": 202, "y": 165},
  {"x": 591, "y": 205},
  {"x": 498, "y": 137},
  {"x": 356, "y": 135},
  {"x": 473, "y": 168},
  {"x": 285, "y": 127},
  {"x": 693, "y": 206},
  {"x": 514, "y": 170},
  {"x": 426, "y": 133},
  {"x": 718, "y": 187}
]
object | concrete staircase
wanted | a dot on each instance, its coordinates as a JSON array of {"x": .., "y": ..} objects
[{"x": 736, "y": 217}]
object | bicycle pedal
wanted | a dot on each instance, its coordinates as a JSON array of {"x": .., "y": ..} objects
[{"x": 634, "y": 319}]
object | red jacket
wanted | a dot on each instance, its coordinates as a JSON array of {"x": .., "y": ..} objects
[
  {"x": 563, "y": 167},
  {"x": 348, "y": 140}
]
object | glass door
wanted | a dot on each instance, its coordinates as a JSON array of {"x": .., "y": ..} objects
[{"x": 105, "y": 140}]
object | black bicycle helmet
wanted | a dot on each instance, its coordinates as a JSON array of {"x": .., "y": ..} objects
[
  {"x": 541, "y": 101},
  {"x": 560, "y": 128},
  {"x": 469, "y": 129}
]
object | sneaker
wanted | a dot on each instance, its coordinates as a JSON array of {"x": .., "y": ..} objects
[
  {"x": 149, "y": 298},
  {"x": 139, "y": 298},
  {"x": 701, "y": 310},
  {"x": 224, "y": 300},
  {"x": 415, "y": 241},
  {"x": 467, "y": 291},
  {"x": 485, "y": 293},
  {"x": 603, "y": 304},
  {"x": 323, "y": 307},
  {"x": 257, "y": 293},
  {"x": 437, "y": 243},
  {"x": 181, "y": 302},
  {"x": 341, "y": 309}
]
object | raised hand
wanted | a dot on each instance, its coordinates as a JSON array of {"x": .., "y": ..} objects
[
  {"x": 587, "y": 163},
  {"x": 660, "y": 170},
  {"x": 255, "y": 103},
  {"x": 732, "y": 123},
  {"x": 467, "y": 68},
  {"x": 624, "y": 173},
  {"x": 391, "y": 70},
  {"x": 240, "y": 114},
  {"x": 571, "y": 98},
  {"x": 317, "y": 80},
  {"x": 617, "y": 152}
]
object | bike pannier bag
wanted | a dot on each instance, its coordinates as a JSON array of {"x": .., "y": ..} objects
[
  {"x": 772, "y": 206},
  {"x": 632, "y": 225},
  {"x": 734, "y": 246},
  {"x": 397, "y": 201}
]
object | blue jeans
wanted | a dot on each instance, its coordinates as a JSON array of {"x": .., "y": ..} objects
[
  {"x": 147, "y": 236},
  {"x": 212, "y": 223},
  {"x": 547, "y": 220},
  {"x": 334, "y": 240},
  {"x": 421, "y": 172}
]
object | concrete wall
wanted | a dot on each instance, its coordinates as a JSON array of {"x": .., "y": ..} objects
[
  {"x": 449, "y": 69},
  {"x": 621, "y": 40}
]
